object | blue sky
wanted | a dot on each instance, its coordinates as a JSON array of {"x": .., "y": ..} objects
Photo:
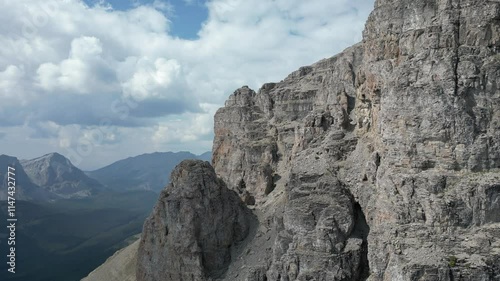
[
  {"x": 186, "y": 16},
  {"x": 99, "y": 84}
]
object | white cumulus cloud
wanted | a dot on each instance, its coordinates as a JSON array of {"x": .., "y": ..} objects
[{"x": 66, "y": 68}]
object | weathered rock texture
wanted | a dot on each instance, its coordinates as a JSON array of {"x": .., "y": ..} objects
[
  {"x": 382, "y": 162},
  {"x": 192, "y": 228}
]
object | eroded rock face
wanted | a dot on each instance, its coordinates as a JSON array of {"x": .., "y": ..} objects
[
  {"x": 286, "y": 143},
  {"x": 380, "y": 163},
  {"x": 192, "y": 228},
  {"x": 405, "y": 125}
]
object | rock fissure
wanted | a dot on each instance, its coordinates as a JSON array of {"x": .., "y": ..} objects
[{"x": 457, "y": 48}]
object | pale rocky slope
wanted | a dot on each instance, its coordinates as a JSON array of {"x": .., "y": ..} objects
[
  {"x": 121, "y": 266},
  {"x": 381, "y": 163}
]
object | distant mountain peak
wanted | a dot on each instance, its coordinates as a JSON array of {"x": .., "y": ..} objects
[
  {"x": 57, "y": 174},
  {"x": 25, "y": 188},
  {"x": 51, "y": 158}
]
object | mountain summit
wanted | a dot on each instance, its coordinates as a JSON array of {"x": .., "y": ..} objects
[
  {"x": 57, "y": 174},
  {"x": 25, "y": 188}
]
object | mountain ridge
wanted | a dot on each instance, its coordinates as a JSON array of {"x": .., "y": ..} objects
[
  {"x": 149, "y": 171},
  {"x": 58, "y": 175},
  {"x": 25, "y": 188}
]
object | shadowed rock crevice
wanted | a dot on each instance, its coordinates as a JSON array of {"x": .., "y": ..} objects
[
  {"x": 361, "y": 230},
  {"x": 349, "y": 123}
]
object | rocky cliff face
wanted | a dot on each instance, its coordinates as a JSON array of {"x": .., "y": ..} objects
[
  {"x": 380, "y": 163},
  {"x": 393, "y": 145},
  {"x": 191, "y": 231}
]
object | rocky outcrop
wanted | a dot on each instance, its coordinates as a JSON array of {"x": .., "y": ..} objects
[
  {"x": 283, "y": 147},
  {"x": 382, "y": 162},
  {"x": 193, "y": 227}
]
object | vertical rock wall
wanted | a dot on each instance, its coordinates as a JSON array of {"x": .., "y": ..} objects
[
  {"x": 405, "y": 124},
  {"x": 380, "y": 163}
]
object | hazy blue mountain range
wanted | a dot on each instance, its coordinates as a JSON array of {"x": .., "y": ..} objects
[
  {"x": 144, "y": 172},
  {"x": 72, "y": 221}
]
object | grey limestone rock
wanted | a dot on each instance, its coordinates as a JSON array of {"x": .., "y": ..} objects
[
  {"x": 402, "y": 128},
  {"x": 192, "y": 228}
]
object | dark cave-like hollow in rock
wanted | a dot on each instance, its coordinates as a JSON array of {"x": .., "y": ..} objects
[{"x": 361, "y": 230}]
